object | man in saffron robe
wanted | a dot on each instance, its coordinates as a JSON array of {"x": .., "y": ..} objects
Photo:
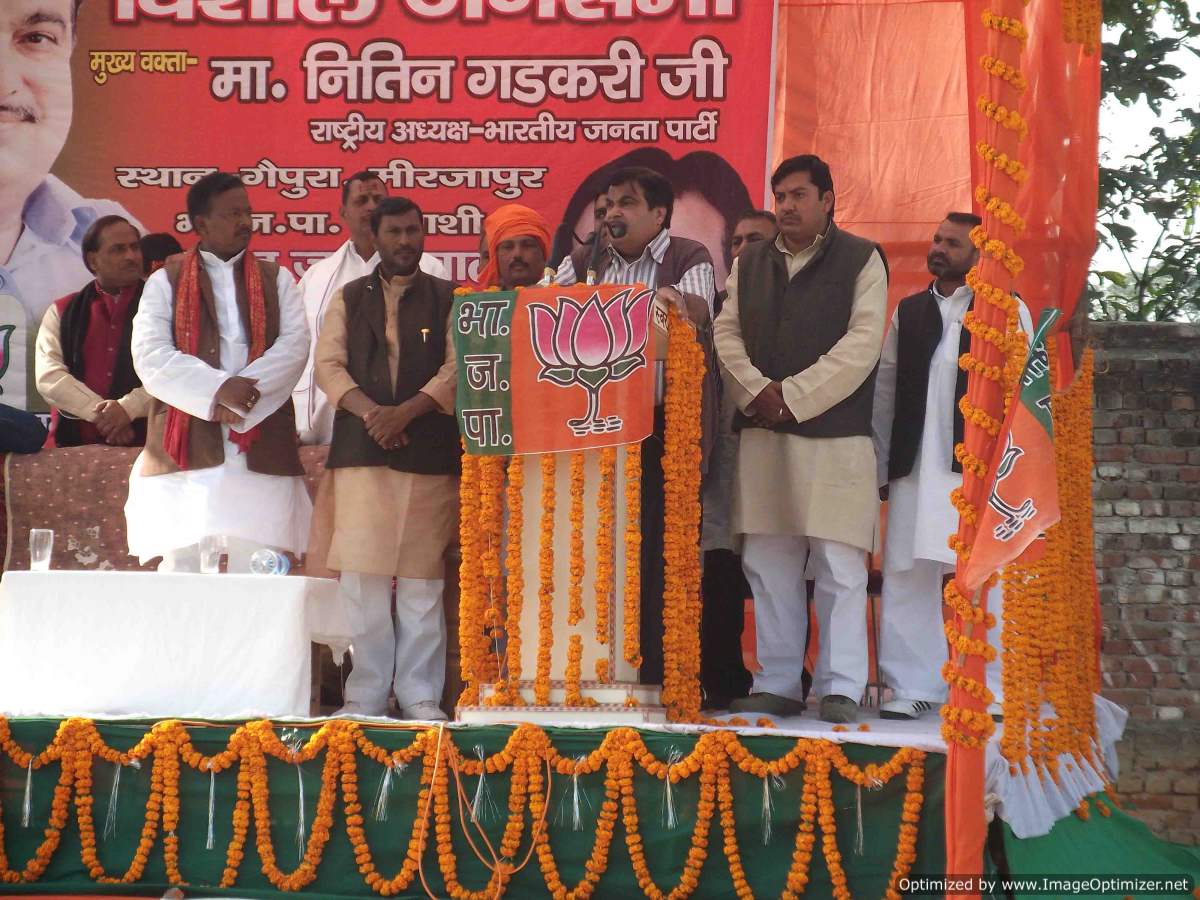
[{"x": 218, "y": 341}]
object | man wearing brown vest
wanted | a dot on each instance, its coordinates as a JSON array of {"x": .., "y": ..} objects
[
  {"x": 385, "y": 360},
  {"x": 219, "y": 341},
  {"x": 799, "y": 339}
]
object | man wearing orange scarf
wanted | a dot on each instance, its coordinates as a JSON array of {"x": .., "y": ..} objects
[
  {"x": 219, "y": 341},
  {"x": 518, "y": 241}
]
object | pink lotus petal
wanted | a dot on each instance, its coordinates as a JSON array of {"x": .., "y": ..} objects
[
  {"x": 542, "y": 322},
  {"x": 637, "y": 313},
  {"x": 592, "y": 340},
  {"x": 568, "y": 312},
  {"x": 618, "y": 324}
]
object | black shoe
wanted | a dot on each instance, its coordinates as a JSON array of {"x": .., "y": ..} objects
[{"x": 768, "y": 704}]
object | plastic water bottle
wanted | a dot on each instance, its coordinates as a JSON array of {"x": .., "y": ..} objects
[{"x": 269, "y": 562}]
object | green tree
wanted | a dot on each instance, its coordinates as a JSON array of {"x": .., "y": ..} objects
[{"x": 1159, "y": 189}]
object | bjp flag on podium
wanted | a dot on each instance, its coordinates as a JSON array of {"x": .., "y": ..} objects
[
  {"x": 554, "y": 369},
  {"x": 1022, "y": 498}
]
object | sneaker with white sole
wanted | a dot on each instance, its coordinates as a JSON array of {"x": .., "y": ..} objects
[
  {"x": 905, "y": 709},
  {"x": 425, "y": 711}
]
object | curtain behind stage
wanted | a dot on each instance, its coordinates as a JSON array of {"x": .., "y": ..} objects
[{"x": 885, "y": 92}]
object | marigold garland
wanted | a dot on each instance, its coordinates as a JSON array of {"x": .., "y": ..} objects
[
  {"x": 992, "y": 363},
  {"x": 1013, "y": 168},
  {"x": 1001, "y": 209},
  {"x": 514, "y": 565},
  {"x": 528, "y": 757},
  {"x": 681, "y": 487},
  {"x": 472, "y": 601},
  {"x": 605, "y": 543},
  {"x": 1048, "y": 637},
  {"x": 1007, "y": 118},
  {"x": 574, "y": 664},
  {"x": 541, "y": 684},
  {"x": 575, "y": 590},
  {"x": 631, "y": 644},
  {"x": 1012, "y": 27},
  {"x": 1004, "y": 72},
  {"x": 491, "y": 527},
  {"x": 1081, "y": 20}
]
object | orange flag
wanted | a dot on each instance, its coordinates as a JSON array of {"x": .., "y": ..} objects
[{"x": 1022, "y": 499}]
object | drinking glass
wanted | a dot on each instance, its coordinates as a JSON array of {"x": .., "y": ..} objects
[
  {"x": 211, "y": 548},
  {"x": 41, "y": 544}
]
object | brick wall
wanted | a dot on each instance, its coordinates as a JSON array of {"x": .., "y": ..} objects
[{"x": 1146, "y": 492}]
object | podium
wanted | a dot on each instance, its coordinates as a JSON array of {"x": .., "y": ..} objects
[
  {"x": 622, "y": 686},
  {"x": 605, "y": 684}
]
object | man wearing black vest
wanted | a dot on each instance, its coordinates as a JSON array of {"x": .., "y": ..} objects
[
  {"x": 799, "y": 338},
  {"x": 917, "y": 424},
  {"x": 84, "y": 365},
  {"x": 642, "y": 250},
  {"x": 386, "y": 362}
]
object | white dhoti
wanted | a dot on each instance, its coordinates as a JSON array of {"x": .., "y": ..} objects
[
  {"x": 407, "y": 653},
  {"x": 775, "y": 568},
  {"x": 171, "y": 512},
  {"x": 166, "y": 513}
]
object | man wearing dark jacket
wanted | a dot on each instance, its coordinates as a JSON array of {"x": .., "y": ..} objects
[
  {"x": 386, "y": 362},
  {"x": 84, "y": 365}
]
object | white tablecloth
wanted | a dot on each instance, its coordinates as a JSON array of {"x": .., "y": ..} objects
[{"x": 163, "y": 645}]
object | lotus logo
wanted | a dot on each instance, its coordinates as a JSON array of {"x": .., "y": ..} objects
[
  {"x": 590, "y": 346},
  {"x": 6, "y": 333}
]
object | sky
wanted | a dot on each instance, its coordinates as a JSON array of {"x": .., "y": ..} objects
[{"x": 1125, "y": 131}]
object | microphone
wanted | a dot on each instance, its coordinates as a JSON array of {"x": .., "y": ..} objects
[{"x": 593, "y": 271}]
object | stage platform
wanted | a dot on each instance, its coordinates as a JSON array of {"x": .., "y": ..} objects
[
  {"x": 859, "y": 829},
  {"x": 721, "y": 824}
]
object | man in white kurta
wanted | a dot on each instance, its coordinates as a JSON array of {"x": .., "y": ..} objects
[
  {"x": 356, "y": 258},
  {"x": 804, "y": 488},
  {"x": 920, "y": 454},
  {"x": 169, "y": 514}
]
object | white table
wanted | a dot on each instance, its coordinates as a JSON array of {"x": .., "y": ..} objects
[{"x": 157, "y": 645}]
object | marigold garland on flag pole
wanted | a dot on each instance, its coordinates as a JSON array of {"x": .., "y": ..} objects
[
  {"x": 990, "y": 362},
  {"x": 528, "y": 756}
]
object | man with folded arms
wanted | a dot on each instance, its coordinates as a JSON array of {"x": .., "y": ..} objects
[
  {"x": 385, "y": 360},
  {"x": 799, "y": 338},
  {"x": 361, "y": 193},
  {"x": 218, "y": 341},
  {"x": 84, "y": 365}
]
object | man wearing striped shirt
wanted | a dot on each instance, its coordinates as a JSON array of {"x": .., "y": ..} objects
[{"x": 642, "y": 250}]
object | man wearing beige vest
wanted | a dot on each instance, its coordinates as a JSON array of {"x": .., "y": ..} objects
[
  {"x": 799, "y": 339},
  {"x": 385, "y": 360},
  {"x": 219, "y": 341}
]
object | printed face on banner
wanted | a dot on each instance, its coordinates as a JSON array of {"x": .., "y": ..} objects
[
  {"x": 458, "y": 105},
  {"x": 554, "y": 369},
  {"x": 35, "y": 91}
]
